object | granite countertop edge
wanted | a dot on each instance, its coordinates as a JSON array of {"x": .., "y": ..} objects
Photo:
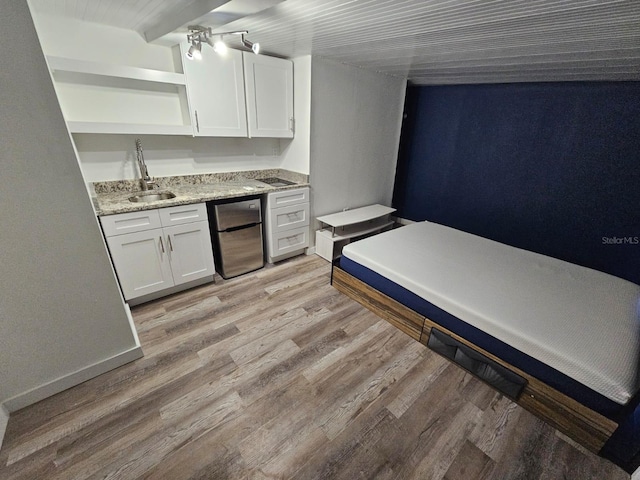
[{"x": 113, "y": 197}]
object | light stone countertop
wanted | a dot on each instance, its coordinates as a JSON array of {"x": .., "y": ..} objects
[{"x": 113, "y": 197}]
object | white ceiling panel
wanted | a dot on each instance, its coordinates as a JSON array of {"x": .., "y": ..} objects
[{"x": 428, "y": 41}]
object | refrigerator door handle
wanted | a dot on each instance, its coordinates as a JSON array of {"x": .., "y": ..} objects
[{"x": 241, "y": 227}]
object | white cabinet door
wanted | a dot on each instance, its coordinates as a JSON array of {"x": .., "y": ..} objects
[
  {"x": 190, "y": 251},
  {"x": 269, "y": 89},
  {"x": 215, "y": 91},
  {"x": 141, "y": 260}
]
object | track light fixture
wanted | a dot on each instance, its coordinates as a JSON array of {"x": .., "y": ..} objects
[
  {"x": 195, "y": 51},
  {"x": 198, "y": 35},
  {"x": 255, "y": 47}
]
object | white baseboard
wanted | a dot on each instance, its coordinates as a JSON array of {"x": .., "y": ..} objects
[
  {"x": 4, "y": 419},
  {"x": 131, "y": 323},
  {"x": 56, "y": 386}
]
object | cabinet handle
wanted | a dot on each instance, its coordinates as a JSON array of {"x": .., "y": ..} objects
[
  {"x": 197, "y": 122},
  {"x": 161, "y": 244},
  {"x": 170, "y": 244}
]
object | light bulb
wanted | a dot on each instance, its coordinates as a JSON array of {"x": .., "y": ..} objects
[
  {"x": 256, "y": 48},
  {"x": 220, "y": 47}
]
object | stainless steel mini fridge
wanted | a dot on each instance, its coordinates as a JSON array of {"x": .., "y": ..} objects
[{"x": 236, "y": 233}]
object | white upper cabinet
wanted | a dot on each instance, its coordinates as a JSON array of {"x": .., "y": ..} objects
[
  {"x": 215, "y": 93},
  {"x": 269, "y": 90}
]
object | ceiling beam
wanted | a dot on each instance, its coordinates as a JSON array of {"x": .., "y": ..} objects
[{"x": 179, "y": 17}]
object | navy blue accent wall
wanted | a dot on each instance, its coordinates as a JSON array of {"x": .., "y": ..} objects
[{"x": 549, "y": 167}]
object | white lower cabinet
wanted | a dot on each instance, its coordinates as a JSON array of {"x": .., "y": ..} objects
[
  {"x": 149, "y": 259},
  {"x": 287, "y": 223}
]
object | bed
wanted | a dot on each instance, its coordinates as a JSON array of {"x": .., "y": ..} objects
[{"x": 561, "y": 340}]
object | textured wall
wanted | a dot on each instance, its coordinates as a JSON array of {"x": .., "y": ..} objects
[
  {"x": 61, "y": 310},
  {"x": 355, "y": 129},
  {"x": 549, "y": 167}
]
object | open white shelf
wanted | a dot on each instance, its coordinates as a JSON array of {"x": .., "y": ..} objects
[
  {"x": 98, "y": 97},
  {"x": 129, "y": 128},
  {"x": 71, "y": 65}
]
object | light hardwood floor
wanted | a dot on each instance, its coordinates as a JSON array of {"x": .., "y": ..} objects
[{"x": 277, "y": 375}]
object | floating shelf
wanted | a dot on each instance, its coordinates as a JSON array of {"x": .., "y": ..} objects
[
  {"x": 129, "y": 128},
  {"x": 145, "y": 101},
  {"x": 70, "y": 65}
]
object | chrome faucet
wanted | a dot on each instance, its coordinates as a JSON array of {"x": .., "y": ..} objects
[{"x": 145, "y": 180}]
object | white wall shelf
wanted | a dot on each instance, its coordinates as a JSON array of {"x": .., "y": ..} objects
[
  {"x": 129, "y": 128},
  {"x": 98, "y": 97},
  {"x": 71, "y": 65}
]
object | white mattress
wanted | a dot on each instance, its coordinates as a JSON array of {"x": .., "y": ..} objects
[{"x": 583, "y": 323}]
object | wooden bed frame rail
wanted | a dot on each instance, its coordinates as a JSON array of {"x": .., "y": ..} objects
[{"x": 587, "y": 427}]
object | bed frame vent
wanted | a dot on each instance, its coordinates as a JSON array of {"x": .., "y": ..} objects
[{"x": 503, "y": 380}]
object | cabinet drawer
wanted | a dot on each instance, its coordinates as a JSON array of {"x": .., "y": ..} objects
[
  {"x": 286, "y": 218},
  {"x": 289, "y": 241},
  {"x": 288, "y": 197},
  {"x": 122, "y": 223},
  {"x": 183, "y": 214}
]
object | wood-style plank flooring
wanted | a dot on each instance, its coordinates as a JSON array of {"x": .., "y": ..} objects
[{"x": 277, "y": 375}]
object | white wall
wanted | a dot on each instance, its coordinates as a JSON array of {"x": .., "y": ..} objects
[
  {"x": 295, "y": 152},
  {"x": 112, "y": 157},
  {"x": 66, "y": 37},
  {"x": 4, "y": 419},
  {"x": 356, "y": 117},
  {"x": 61, "y": 315}
]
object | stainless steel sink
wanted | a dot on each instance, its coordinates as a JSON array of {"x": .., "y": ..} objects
[{"x": 151, "y": 197}]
